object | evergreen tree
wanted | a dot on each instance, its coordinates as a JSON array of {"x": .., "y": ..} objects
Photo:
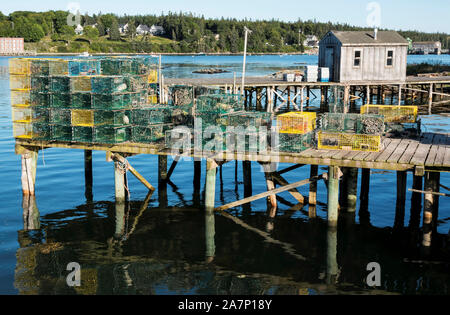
[{"x": 114, "y": 33}]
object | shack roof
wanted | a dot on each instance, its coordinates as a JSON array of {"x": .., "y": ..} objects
[{"x": 348, "y": 38}]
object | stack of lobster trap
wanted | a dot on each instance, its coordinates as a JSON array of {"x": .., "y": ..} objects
[{"x": 87, "y": 100}]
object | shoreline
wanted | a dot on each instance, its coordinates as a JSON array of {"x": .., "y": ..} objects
[{"x": 162, "y": 54}]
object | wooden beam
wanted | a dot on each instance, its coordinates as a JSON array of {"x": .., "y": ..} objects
[
  {"x": 268, "y": 193},
  {"x": 294, "y": 192},
  {"x": 117, "y": 157},
  {"x": 173, "y": 166},
  {"x": 333, "y": 195}
]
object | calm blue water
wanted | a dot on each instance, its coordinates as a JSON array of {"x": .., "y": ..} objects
[{"x": 165, "y": 253}]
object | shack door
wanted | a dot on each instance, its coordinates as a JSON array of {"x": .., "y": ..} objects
[{"x": 329, "y": 60}]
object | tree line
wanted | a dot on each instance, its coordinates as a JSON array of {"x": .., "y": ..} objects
[{"x": 189, "y": 32}]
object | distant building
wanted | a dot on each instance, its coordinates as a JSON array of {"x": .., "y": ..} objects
[
  {"x": 426, "y": 48},
  {"x": 156, "y": 30},
  {"x": 123, "y": 28},
  {"x": 11, "y": 45},
  {"x": 79, "y": 30},
  {"x": 364, "y": 56},
  {"x": 142, "y": 29},
  {"x": 311, "y": 41}
]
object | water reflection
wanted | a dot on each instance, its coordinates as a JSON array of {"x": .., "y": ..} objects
[{"x": 130, "y": 248}]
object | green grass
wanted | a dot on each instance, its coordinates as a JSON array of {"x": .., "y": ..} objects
[{"x": 104, "y": 45}]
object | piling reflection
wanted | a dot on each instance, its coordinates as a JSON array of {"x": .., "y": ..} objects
[{"x": 134, "y": 248}]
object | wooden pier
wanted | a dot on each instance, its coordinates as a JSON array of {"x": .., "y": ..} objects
[
  {"x": 432, "y": 94},
  {"x": 425, "y": 157}
]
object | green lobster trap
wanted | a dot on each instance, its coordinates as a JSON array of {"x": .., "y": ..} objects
[
  {"x": 292, "y": 142},
  {"x": 220, "y": 103},
  {"x": 112, "y": 101},
  {"x": 83, "y": 134},
  {"x": 60, "y": 84},
  {"x": 40, "y": 84},
  {"x": 60, "y": 116},
  {"x": 84, "y": 67},
  {"x": 61, "y": 133},
  {"x": 81, "y": 100},
  {"x": 60, "y": 100},
  {"x": 206, "y": 118},
  {"x": 111, "y": 135},
  {"x": 246, "y": 119},
  {"x": 31, "y": 131},
  {"x": 151, "y": 116},
  {"x": 351, "y": 123},
  {"x": 136, "y": 83},
  {"x": 38, "y": 99},
  {"x": 109, "y": 85},
  {"x": 149, "y": 134}
]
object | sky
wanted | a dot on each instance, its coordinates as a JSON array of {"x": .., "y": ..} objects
[{"x": 421, "y": 15}]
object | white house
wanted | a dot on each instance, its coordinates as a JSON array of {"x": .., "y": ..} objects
[
  {"x": 142, "y": 29},
  {"x": 79, "y": 30},
  {"x": 157, "y": 30},
  {"x": 123, "y": 28},
  {"x": 311, "y": 41}
]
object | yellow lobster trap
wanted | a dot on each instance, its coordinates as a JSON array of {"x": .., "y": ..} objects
[
  {"x": 81, "y": 84},
  {"x": 153, "y": 77},
  {"x": 19, "y": 81},
  {"x": 349, "y": 142},
  {"x": 21, "y": 97},
  {"x": 296, "y": 122},
  {"x": 393, "y": 114}
]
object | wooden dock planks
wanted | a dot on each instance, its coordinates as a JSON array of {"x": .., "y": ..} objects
[
  {"x": 431, "y": 151},
  {"x": 423, "y": 149}
]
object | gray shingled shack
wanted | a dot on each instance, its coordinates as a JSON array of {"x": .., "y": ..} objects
[{"x": 358, "y": 56}]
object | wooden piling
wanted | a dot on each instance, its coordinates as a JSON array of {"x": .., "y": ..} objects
[
  {"x": 210, "y": 192},
  {"x": 312, "y": 209},
  {"x": 401, "y": 198},
  {"x": 430, "y": 99},
  {"x": 247, "y": 172},
  {"x": 119, "y": 179},
  {"x": 29, "y": 167},
  {"x": 272, "y": 199},
  {"x": 364, "y": 215},
  {"x": 210, "y": 232},
  {"x": 416, "y": 204},
  {"x": 333, "y": 195},
  {"x": 349, "y": 189},
  {"x": 162, "y": 182},
  {"x": 430, "y": 184},
  {"x": 88, "y": 177}
]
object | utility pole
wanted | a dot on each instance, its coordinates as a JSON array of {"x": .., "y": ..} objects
[{"x": 245, "y": 57}]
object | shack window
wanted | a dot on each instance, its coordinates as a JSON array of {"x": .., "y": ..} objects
[
  {"x": 390, "y": 58},
  {"x": 357, "y": 59}
]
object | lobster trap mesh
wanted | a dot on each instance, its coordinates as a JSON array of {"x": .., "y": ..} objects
[
  {"x": 19, "y": 81},
  {"x": 81, "y": 100},
  {"x": 150, "y": 133},
  {"x": 393, "y": 114},
  {"x": 246, "y": 119},
  {"x": 349, "y": 142},
  {"x": 151, "y": 116},
  {"x": 32, "y": 131},
  {"x": 60, "y": 100},
  {"x": 296, "y": 122},
  {"x": 293, "y": 143},
  {"x": 220, "y": 103},
  {"x": 351, "y": 123},
  {"x": 61, "y": 133},
  {"x": 60, "y": 116},
  {"x": 84, "y": 67},
  {"x": 111, "y": 135},
  {"x": 30, "y": 115}
]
